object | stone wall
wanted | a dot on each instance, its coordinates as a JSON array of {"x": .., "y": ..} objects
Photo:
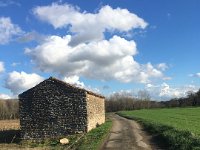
[
  {"x": 52, "y": 109},
  {"x": 95, "y": 111}
]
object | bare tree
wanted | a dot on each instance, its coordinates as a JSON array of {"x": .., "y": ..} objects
[
  {"x": 9, "y": 109},
  {"x": 144, "y": 95}
]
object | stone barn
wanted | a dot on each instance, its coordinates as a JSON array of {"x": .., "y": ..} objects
[{"x": 54, "y": 108}]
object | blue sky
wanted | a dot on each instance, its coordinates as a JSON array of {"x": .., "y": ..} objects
[{"x": 106, "y": 46}]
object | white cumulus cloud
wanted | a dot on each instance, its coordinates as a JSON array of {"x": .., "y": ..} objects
[
  {"x": 87, "y": 52},
  {"x": 74, "y": 80},
  {"x": 103, "y": 60},
  {"x": 20, "y": 81},
  {"x": 1, "y": 67},
  {"x": 8, "y": 30},
  {"x": 165, "y": 91},
  {"x": 4, "y": 96},
  {"x": 88, "y": 26}
]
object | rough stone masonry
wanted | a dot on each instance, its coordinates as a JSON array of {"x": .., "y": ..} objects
[{"x": 54, "y": 108}]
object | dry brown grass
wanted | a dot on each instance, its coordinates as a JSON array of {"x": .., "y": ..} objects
[{"x": 9, "y": 125}]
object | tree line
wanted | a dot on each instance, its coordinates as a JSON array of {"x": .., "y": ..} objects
[
  {"x": 192, "y": 99},
  {"x": 9, "y": 109},
  {"x": 117, "y": 102},
  {"x": 126, "y": 101}
]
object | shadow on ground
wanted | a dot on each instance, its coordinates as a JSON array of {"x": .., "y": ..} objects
[
  {"x": 10, "y": 136},
  {"x": 159, "y": 141}
]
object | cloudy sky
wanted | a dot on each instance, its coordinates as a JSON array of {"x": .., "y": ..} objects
[{"x": 103, "y": 45}]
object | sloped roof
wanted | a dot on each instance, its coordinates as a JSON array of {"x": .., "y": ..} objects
[
  {"x": 73, "y": 86},
  {"x": 67, "y": 86}
]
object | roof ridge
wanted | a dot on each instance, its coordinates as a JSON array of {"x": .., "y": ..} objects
[{"x": 74, "y": 86}]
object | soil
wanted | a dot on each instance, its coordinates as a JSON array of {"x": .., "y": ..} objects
[{"x": 128, "y": 135}]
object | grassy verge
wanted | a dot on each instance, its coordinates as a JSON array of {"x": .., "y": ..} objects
[
  {"x": 94, "y": 139},
  {"x": 89, "y": 141},
  {"x": 173, "y": 138}
]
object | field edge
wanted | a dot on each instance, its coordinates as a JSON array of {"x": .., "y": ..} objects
[{"x": 168, "y": 136}]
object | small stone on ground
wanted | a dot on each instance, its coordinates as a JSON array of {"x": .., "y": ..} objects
[{"x": 64, "y": 141}]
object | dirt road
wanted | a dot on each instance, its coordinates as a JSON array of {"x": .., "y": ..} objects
[{"x": 127, "y": 135}]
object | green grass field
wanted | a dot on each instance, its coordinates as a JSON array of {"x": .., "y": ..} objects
[
  {"x": 179, "y": 118},
  {"x": 180, "y": 127}
]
